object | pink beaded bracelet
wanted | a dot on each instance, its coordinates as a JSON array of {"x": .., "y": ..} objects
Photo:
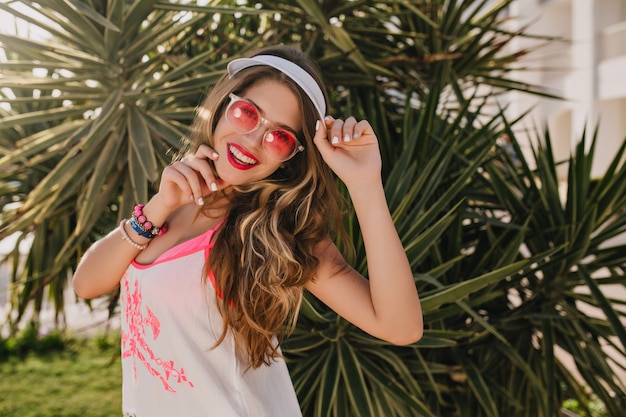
[
  {"x": 140, "y": 223},
  {"x": 127, "y": 238}
]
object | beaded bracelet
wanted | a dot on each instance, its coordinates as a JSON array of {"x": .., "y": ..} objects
[
  {"x": 143, "y": 226},
  {"x": 127, "y": 238}
]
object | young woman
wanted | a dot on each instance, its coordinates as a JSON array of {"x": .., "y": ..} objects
[{"x": 212, "y": 269}]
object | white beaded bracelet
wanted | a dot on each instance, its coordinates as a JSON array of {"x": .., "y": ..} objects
[{"x": 127, "y": 238}]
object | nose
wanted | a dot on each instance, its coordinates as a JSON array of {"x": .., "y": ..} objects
[{"x": 254, "y": 139}]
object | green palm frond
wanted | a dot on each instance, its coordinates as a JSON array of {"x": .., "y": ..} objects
[{"x": 116, "y": 92}]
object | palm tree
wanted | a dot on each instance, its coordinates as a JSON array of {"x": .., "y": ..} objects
[{"x": 499, "y": 260}]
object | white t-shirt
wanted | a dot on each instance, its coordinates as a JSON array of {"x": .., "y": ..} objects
[{"x": 169, "y": 324}]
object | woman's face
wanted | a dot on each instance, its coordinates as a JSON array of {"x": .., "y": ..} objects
[{"x": 243, "y": 159}]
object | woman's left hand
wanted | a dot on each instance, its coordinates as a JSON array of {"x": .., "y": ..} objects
[{"x": 351, "y": 150}]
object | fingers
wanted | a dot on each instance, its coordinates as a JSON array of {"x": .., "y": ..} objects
[
  {"x": 187, "y": 176},
  {"x": 320, "y": 138},
  {"x": 193, "y": 176},
  {"x": 205, "y": 151},
  {"x": 199, "y": 162},
  {"x": 345, "y": 131}
]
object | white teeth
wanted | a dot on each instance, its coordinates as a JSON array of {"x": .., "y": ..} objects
[{"x": 241, "y": 157}]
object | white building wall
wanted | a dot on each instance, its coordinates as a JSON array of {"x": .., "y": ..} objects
[{"x": 587, "y": 67}]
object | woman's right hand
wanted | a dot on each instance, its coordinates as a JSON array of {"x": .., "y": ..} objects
[
  {"x": 104, "y": 264},
  {"x": 189, "y": 179}
]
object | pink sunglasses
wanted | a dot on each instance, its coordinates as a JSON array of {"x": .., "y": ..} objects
[{"x": 245, "y": 117}]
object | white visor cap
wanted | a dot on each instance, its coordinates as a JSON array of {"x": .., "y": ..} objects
[{"x": 293, "y": 71}]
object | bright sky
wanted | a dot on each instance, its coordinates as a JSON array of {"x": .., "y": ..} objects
[{"x": 9, "y": 24}]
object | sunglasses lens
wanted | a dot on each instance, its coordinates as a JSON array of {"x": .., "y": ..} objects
[
  {"x": 243, "y": 116},
  {"x": 280, "y": 144}
]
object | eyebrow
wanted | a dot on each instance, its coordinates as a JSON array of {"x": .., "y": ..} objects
[{"x": 281, "y": 125}]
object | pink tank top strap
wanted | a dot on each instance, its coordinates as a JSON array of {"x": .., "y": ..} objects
[{"x": 195, "y": 244}]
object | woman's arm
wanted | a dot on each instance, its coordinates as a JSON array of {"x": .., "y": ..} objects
[
  {"x": 104, "y": 264},
  {"x": 387, "y": 305}
]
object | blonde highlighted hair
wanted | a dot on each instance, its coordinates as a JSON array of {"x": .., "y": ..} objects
[{"x": 264, "y": 251}]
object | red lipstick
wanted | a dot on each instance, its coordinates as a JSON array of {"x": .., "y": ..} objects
[{"x": 240, "y": 158}]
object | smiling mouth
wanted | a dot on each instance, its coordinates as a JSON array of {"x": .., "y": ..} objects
[{"x": 240, "y": 158}]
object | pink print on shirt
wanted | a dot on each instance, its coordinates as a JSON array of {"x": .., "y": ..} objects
[{"x": 135, "y": 345}]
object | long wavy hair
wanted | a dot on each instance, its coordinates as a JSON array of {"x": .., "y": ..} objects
[{"x": 264, "y": 251}]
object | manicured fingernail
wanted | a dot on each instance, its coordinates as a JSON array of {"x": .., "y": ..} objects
[
  {"x": 201, "y": 201},
  {"x": 355, "y": 135},
  {"x": 346, "y": 137},
  {"x": 328, "y": 118},
  {"x": 317, "y": 125},
  {"x": 335, "y": 140},
  {"x": 213, "y": 186},
  {"x": 216, "y": 155}
]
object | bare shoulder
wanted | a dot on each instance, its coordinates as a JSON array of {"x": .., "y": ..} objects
[
  {"x": 331, "y": 261},
  {"x": 333, "y": 269},
  {"x": 340, "y": 286}
]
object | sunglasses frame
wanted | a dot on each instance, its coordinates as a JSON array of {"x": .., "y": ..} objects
[{"x": 269, "y": 127}]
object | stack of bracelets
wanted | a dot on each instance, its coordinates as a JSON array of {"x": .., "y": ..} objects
[{"x": 142, "y": 226}]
